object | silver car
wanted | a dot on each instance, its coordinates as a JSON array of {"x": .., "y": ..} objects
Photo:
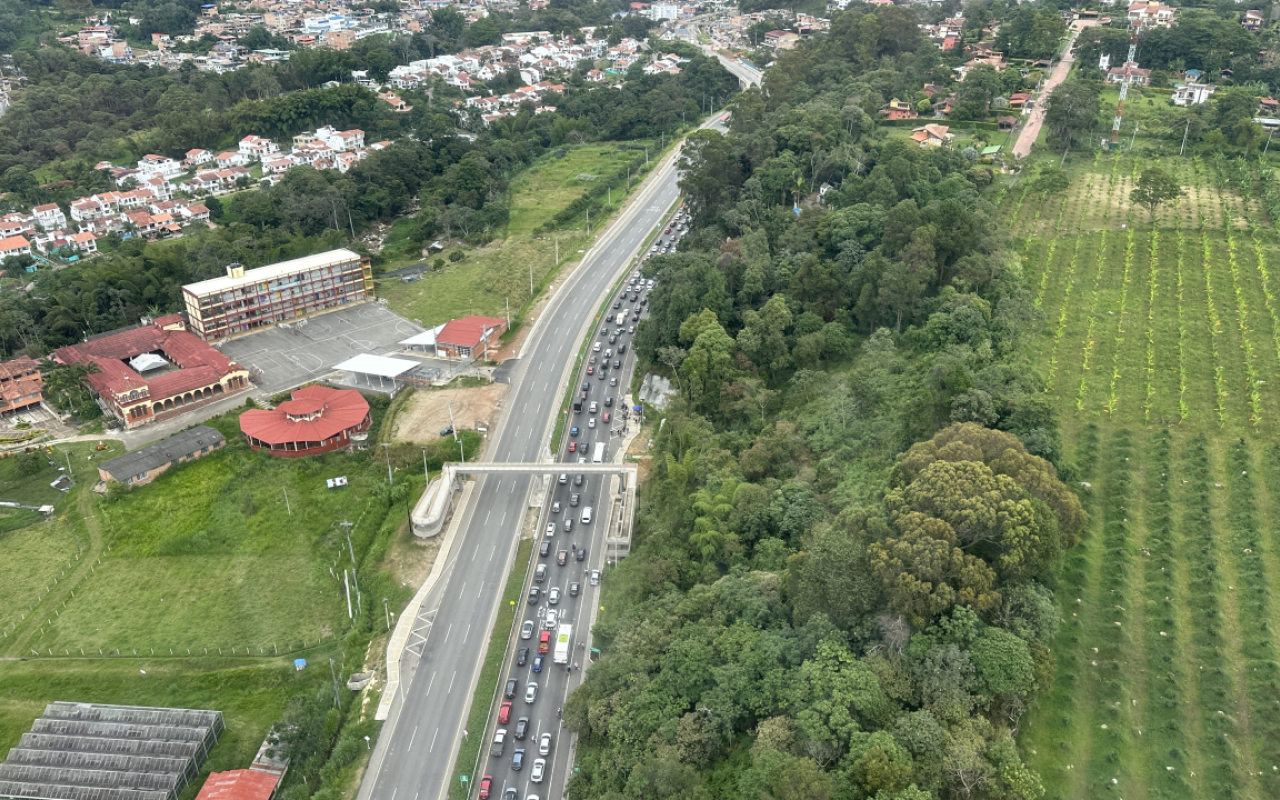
[
  {"x": 531, "y": 693},
  {"x": 544, "y": 744},
  {"x": 526, "y": 630}
]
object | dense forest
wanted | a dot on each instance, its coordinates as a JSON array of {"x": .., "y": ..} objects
[{"x": 841, "y": 581}]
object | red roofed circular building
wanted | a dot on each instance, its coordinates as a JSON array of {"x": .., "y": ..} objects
[{"x": 318, "y": 419}]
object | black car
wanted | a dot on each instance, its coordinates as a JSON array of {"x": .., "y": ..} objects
[
  {"x": 517, "y": 760},
  {"x": 608, "y": 403},
  {"x": 622, "y": 348},
  {"x": 617, "y": 364},
  {"x": 510, "y": 691},
  {"x": 522, "y": 656},
  {"x": 582, "y": 554},
  {"x": 446, "y": 431},
  {"x": 574, "y": 588},
  {"x": 586, "y": 387},
  {"x": 545, "y": 549},
  {"x": 522, "y": 727},
  {"x": 534, "y": 593}
]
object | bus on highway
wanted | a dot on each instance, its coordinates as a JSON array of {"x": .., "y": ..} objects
[
  {"x": 563, "y": 638},
  {"x": 597, "y": 455}
]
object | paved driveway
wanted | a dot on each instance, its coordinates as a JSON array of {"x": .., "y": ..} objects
[{"x": 1032, "y": 129}]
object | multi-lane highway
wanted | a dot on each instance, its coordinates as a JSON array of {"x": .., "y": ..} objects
[{"x": 416, "y": 751}]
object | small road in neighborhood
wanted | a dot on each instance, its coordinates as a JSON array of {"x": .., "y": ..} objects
[{"x": 1022, "y": 148}]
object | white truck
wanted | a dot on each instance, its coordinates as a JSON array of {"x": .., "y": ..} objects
[{"x": 564, "y": 637}]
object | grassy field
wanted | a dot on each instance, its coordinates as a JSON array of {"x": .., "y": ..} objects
[
  {"x": 1160, "y": 348},
  {"x": 491, "y": 276}
]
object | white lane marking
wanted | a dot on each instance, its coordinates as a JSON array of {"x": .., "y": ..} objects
[
  {"x": 493, "y": 553},
  {"x": 414, "y": 736},
  {"x": 486, "y": 516},
  {"x": 467, "y": 635},
  {"x": 430, "y": 684},
  {"x": 480, "y": 593},
  {"x": 451, "y": 677},
  {"x": 446, "y": 633},
  {"x": 432, "y": 748}
]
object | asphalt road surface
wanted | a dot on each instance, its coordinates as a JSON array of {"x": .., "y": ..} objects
[{"x": 415, "y": 754}]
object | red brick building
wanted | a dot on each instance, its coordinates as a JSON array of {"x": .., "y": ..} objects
[
  {"x": 469, "y": 337},
  {"x": 316, "y": 420},
  {"x": 155, "y": 371}
]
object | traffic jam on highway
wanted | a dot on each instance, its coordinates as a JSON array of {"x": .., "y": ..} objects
[{"x": 525, "y": 759}]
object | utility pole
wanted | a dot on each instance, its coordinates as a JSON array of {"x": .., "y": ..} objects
[
  {"x": 556, "y": 237},
  {"x": 425, "y": 472},
  {"x": 287, "y": 507},
  {"x": 1269, "y": 135},
  {"x": 508, "y": 300},
  {"x": 386, "y": 611},
  {"x": 387, "y": 448},
  {"x": 350, "y": 525},
  {"x": 1187, "y": 131},
  {"x": 530, "y": 284},
  {"x": 1133, "y": 138},
  {"x": 588, "y": 222},
  {"x": 336, "y": 698}
]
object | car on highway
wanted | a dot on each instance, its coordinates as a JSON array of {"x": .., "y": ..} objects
[
  {"x": 582, "y": 554},
  {"x": 574, "y": 499},
  {"x": 522, "y": 656},
  {"x": 591, "y": 370},
  {"x": 605, "y": 419},
  {"x": 562, "y": 557},
  {"x": 574, "y": 589},
  {"x": 504, "y": 714},
  {"x": 549, "y": 622},
  {"x": 540, "y": 574},
  {"x": 486, "y": 784},
  {"x": 522, "y": 728},
  {"x": 545, "y": 549},
  {"x": 613, "y": 381},
  {"x": 534, "y": 594},
  {"x": 512, "y": 685},
  {"x": 631, "y": 329},
  {"x": 579, "y": 479},
  {"x": 568, "y": 527},
  {"x": 539, "y": 769},
  {"x": 526, "y": 630},
  {"x": 551, "y": 526},
  {"x": 544, "y": 744},
  {"x": 573, "y": 431},
  {"x": 537, "y": 663},
  {"x": 586, "y": 387},
  {"x": 573, "y": 447},
  {"x": 553, "y": 596},
  {"x": 591, "y": 423},
  {"x": 531, "y": 693},
  {"x": 499, "y": 743},
  {"x": 617, "y": 364},
  {"x": 608, "y": 403},
  {"x": 510, "y": 793},
  {"x": 595, "y": 577},
  {"x": 544, "y": 642},
  {"x": 555, "y": 507},
  {"x": 600, "y": 376},
  {"x": 517, "y": 760},
  {"x": 563, "y": 479}
]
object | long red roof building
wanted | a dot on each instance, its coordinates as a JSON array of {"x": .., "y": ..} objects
[{"x": 195, "y": 372}]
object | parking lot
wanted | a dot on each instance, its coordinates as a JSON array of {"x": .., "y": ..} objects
[{"x": 291, "y": 354}]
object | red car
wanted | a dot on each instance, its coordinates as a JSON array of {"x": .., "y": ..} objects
[
  {"x": 544, "y": 644},
  {"x": 605, "y": 418},
  {"x": 485, "y": 783},
  {"x": 504, "y": 714},
  {"x": 591, "y": 370},
  {"x": 573, "y": 447}
]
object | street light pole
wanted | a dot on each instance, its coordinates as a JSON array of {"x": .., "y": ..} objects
[{"x": 387, "y": 447}]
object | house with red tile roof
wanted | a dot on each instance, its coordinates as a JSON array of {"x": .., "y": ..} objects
[
  {"x": 239, "y": 784},
  {"x": 469, "y": 337},
  {"x": 20, "y": 384},
  {"x": 153, "y": 371},
  {"x": 14, "y": 246}
]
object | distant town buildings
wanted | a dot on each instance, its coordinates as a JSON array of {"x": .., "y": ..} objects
[{"x": 1152, "y": 14}]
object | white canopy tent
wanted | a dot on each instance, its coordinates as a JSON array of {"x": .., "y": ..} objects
[
  {"x": 425, "y": 341},
  {"x": 147, "y": 361}
]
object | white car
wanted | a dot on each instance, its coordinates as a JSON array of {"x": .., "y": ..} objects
[
  {"x": 544, "y": 744},
  {"x": 526, "y": 630},
  {"x": 549, "y": 622},
  {"x": 539, "y": 769},
  {"x": 531, "y": 693},
  {"x": 591, "y": 423},
  {"x": 555, "y": 508},
  {"x": 553, "y": 596},
  {"x": 551, "y": 528}
]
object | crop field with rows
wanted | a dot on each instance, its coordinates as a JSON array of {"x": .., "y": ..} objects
[{"x": 1161, "y": 351}]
